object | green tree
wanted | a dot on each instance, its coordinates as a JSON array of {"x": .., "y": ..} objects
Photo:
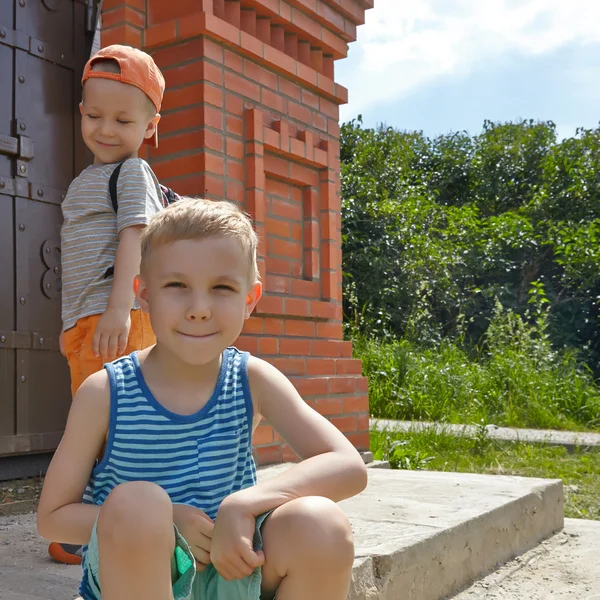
[{"x": 435, "y": 231}]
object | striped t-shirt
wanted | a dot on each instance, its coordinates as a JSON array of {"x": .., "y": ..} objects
[
  {"x": 198, "y": 459},
  {"x": 90, "y": 232}
]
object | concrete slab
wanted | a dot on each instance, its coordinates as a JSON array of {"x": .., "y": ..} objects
[
  {"x": 568, "y": 439},
  {"x": 419, "y": 535},
  {"x": 564, "y": 567}
]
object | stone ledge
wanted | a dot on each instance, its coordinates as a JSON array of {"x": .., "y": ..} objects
[
  {"x": 568, "y": 439},
  {"x": 424, "y": 535},
  {"x": 419, "y": 535}
]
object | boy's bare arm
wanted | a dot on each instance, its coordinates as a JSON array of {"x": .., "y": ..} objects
[
  {"x": 330, "y": 466},
  {"x": 61, "y": 514},
  {"x": 112, "y": 331},
  {"x": 127, "y": 266}
]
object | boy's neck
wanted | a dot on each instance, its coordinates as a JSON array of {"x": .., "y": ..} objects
[
  {"x": 169, "y": 368},
  {"x": 99, "y": 163}
]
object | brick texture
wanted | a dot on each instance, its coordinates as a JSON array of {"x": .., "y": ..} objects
[{"x": 251, "y": 114}]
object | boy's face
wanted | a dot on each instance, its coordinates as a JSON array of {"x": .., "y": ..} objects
[
  {"x": 198, "y": 295},
  {"x": 115, "y": 119}
]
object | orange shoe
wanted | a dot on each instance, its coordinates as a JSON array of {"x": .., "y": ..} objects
[{"x": 69, "y": 554}]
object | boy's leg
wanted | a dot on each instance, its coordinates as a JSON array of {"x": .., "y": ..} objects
[
  {"x": 141, "y": 335},
  {"x": 136, "y": 542},
  {"x": 309, "y": 551},
  {"x": 82, "y": 364},
  {"x": 78, "y": 345},
  {"x": 78, "y": 351}
]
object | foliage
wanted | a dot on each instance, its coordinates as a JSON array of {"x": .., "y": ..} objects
[
  {"x": 437, "y": 232},
  {"x": 514, "y": 377}
]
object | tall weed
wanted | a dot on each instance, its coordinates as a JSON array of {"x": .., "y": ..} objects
[{"x": 513, "y": 378}]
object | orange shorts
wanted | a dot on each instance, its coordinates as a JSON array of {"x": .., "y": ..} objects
[{"x": 78, "y": 345}]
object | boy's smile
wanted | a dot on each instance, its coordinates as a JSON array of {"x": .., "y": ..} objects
[
  {"x": 115, "y": 119},
  {"x": 198, "y": 294}
]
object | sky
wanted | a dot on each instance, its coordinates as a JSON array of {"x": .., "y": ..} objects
[{"x": 447, "y": 65}]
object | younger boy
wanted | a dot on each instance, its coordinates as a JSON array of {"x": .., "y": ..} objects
[
  {"x": 179, "y": 418},
  {"x": 122, "y": 94}
]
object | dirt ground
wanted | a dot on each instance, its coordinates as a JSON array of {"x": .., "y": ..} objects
[
  {"x": 22, "y": 489},
  {"x": 565, "y": 567}
]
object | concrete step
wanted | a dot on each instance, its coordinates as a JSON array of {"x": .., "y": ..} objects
[
  {"x": 564, "y": 567},
  {"x": 422, "y": 535},
  {"x": 419, "y": 535}
]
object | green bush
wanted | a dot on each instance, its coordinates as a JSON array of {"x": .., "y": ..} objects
[{"x": 436, "y": 231}]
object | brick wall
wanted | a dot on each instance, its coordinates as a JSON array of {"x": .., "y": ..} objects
[{"x": 251, "y": 114}]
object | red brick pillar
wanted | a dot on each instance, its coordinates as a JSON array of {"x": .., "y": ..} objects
[{"x": 251, "y": 114}]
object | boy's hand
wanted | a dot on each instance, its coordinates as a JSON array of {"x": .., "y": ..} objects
[
  {"x": 196, "y": 527},
  {"x": 232, "y": 553},
  {"x": 112, "y": 333}
]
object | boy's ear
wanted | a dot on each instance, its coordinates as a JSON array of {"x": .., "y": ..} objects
[
  {"x": 81, "y": 107},
  {"x": 141, "y": 292},
  {"x": 151, "y": 128},
  {"x": 252, "y": 298}
]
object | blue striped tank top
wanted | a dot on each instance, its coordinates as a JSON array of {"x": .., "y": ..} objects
[{"x": 198, "y": 459}]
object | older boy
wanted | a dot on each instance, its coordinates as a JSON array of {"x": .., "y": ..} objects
[
  {"x": 122, "y": 94},
  {"x": 179, "y": 418}
]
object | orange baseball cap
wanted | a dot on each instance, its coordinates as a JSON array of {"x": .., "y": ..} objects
[{"x": 137, "y": 68}]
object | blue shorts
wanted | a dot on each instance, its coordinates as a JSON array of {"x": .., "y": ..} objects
[{"x": 187, "y": 584}]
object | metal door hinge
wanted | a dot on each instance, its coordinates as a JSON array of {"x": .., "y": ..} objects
[
  {"x": 21, "y": 41},
  {"x": 28, "y": 340},
  {"x": 21, "y": 146},
  {"x": 15, "y": 187}
]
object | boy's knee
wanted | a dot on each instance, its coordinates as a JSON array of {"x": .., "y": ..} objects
[
  {"x": 137, "y": 508},
  {"x": 319, "y": 530}
]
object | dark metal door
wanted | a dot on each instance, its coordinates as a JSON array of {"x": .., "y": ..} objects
[{"x": 43, "y": 47}]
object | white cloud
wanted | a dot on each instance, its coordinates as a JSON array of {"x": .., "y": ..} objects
[{"x": 406, "y": 44}]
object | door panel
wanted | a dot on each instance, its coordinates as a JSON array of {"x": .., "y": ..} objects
[{"x": 43, "y": 47}]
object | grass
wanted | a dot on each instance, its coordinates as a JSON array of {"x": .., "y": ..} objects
[
  {"x": 579, "y": 470},
  {"x": 513, "y": 377},
  {"x": 512, "y": 385}
]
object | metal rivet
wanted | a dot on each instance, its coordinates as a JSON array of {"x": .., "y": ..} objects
[
  {"x": 2, "y": 33},
  {"x": 41, "y": 341},
  {"x": 3, "y": 339},
  {"x": 40, "y": 193},
  {"x": 2, "y": 184},
  {"x": 48, "y": 286},
  {"x": 22, "y": 300},
  {"x": 62, "y": 196},
  {"x": 62, "y": 57},
  {"x": 23, "y": 379},
  {"x": 40, "y": 48},
  {"x": 21, "y": 79},
  {"x": 21, "y": 227},
  {"x": 21, "y": 3},
  {"x": 22, "y": 168},
  {"x": 48, "y": 250},
  {"x": 22, "y": 127},
  {"x": 56, "y": 270}
]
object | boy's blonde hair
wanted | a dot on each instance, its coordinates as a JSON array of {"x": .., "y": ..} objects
[{"x": 198, "y": 219}]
